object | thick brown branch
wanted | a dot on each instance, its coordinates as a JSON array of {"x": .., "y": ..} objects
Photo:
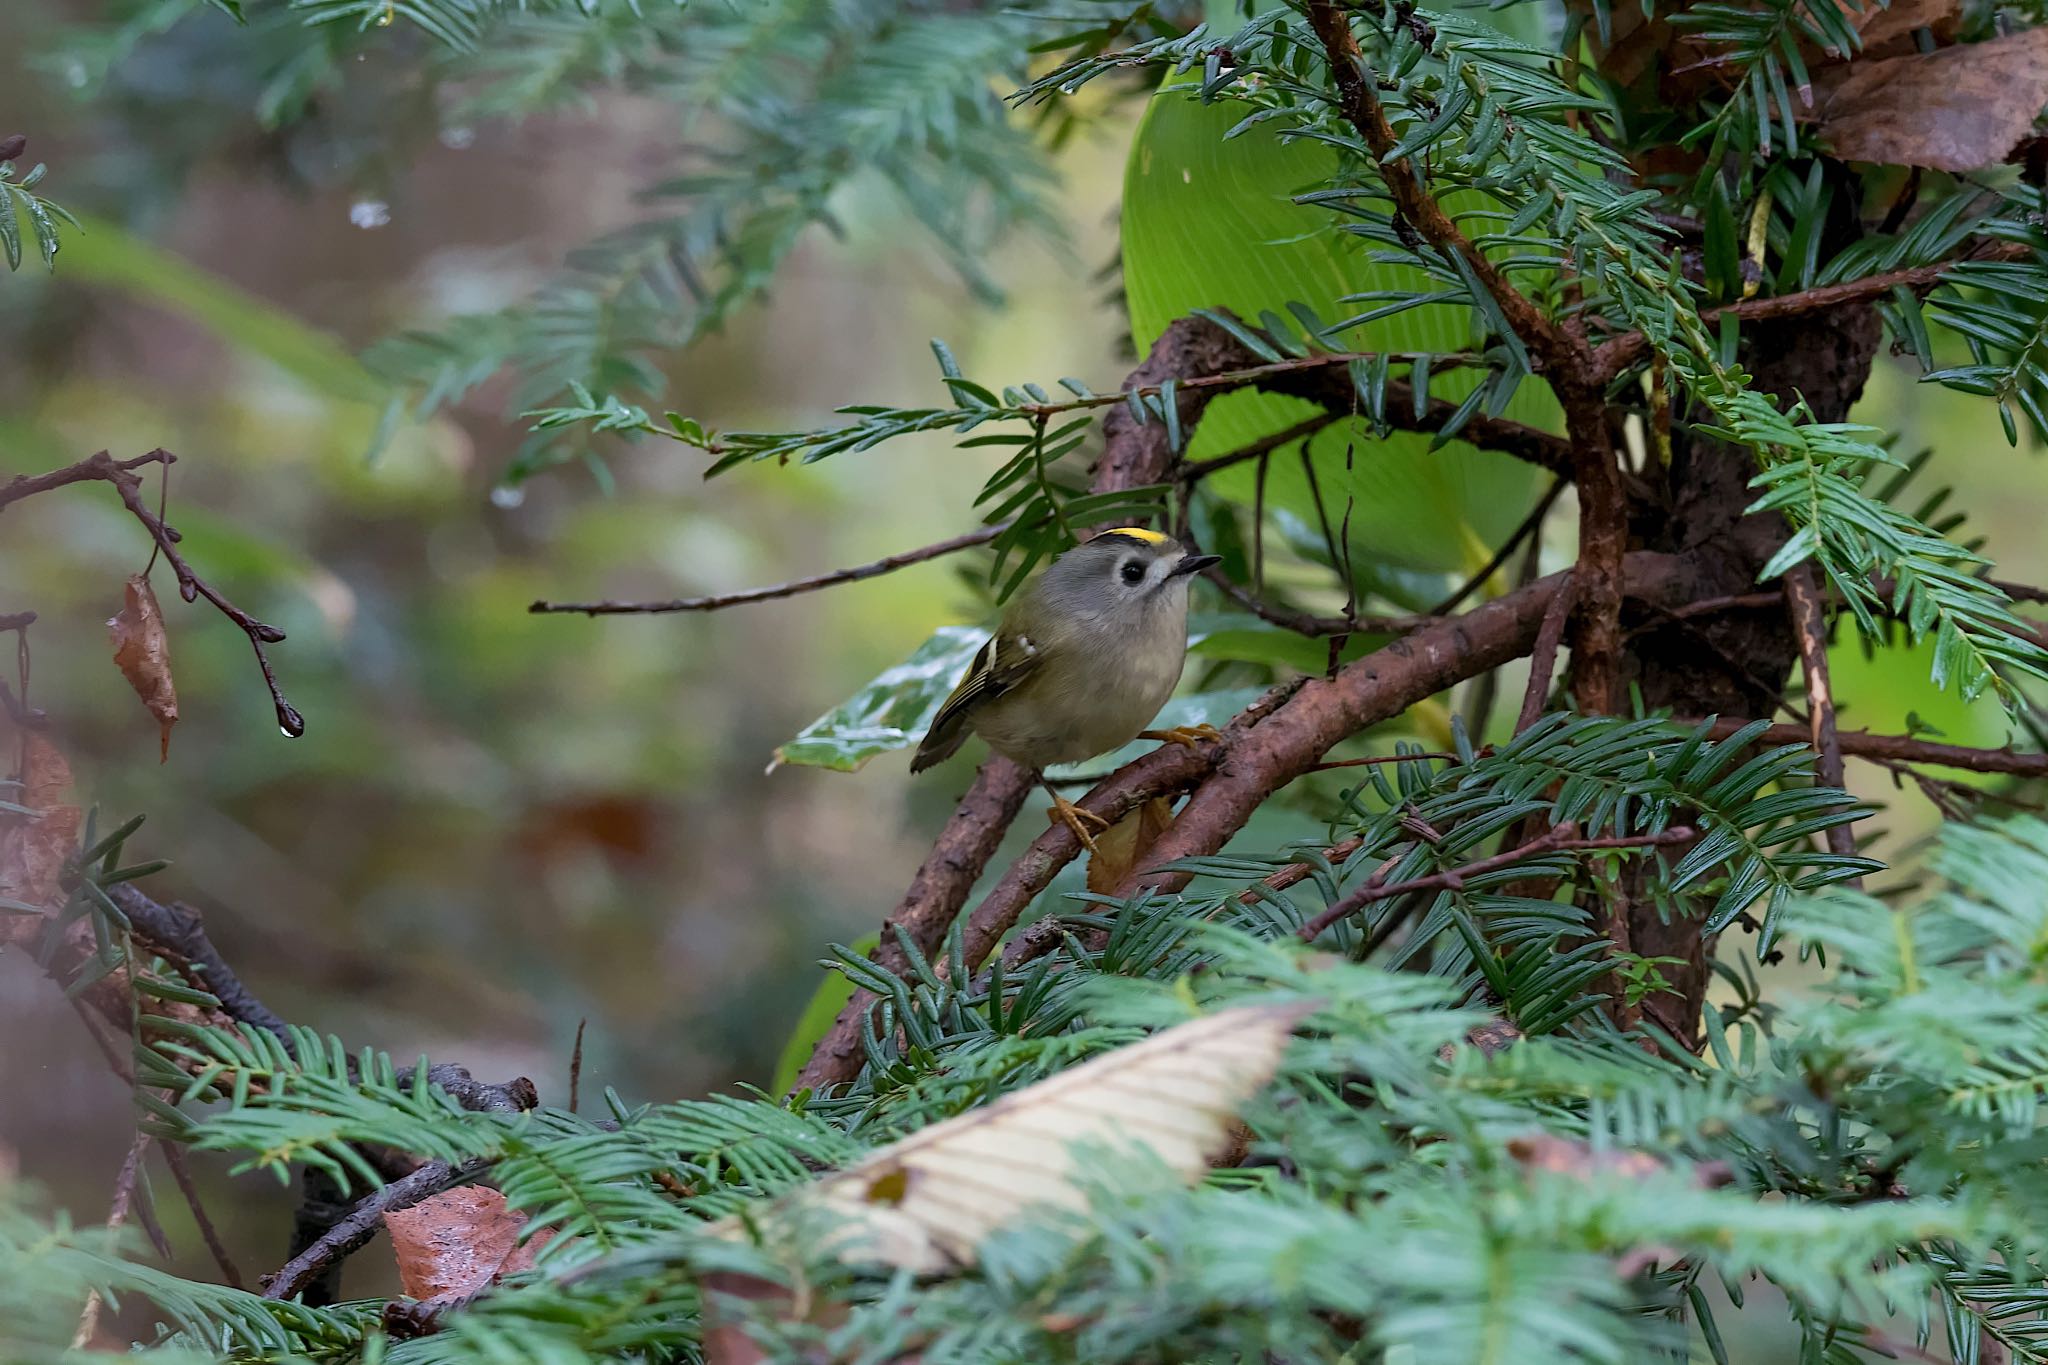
[
  {"x": 1897, "y": 748},
  {"x": 1325, "y": 711},
  {"x": 1559, "y": 839},
  {"x": 1809, "y": 622},
  {"x": 720, "y": 601}
]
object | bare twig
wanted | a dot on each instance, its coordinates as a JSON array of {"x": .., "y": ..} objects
[
  {"x": 124, "y": 1198},
  {"x": 121, "y": 474},
  {"x": 576, "y": 1069},
  {"x": 720, "y": 601},
  {"x": 181, "y": 1172},
  {"x": 1543, "y": 658},
  {"x": 1529, "y": 526},
  {"x": 1307, "y": 623},
  {"x": 1265, "y": 445},
  {"x": 1809, "y": 623},
  {"x": 354, "y": 1229},
  {"x": 1894, "y": 748},
  {"x": 1612, "y": 357},
  {"x": 1558, "y": 839}
]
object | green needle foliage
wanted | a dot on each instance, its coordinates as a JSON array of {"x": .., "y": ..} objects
[{"x": 1474, "y": 1152}]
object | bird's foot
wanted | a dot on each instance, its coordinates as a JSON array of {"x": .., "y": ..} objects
[
  {"x": 1075, "y": 818},
  {"x": 1187, "y": 736}
]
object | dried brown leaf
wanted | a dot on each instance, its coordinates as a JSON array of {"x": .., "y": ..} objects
[
  {"x": 455, "y": 1243},
  {"x": 1889, "y": 31},
  {"x": 926, "y": 1203},
  {"x": 33, "y": 848},
  {"x": 1124, "y": 845},
  {"x": 1957, "y": 109},
  {"x": 1583, "y": 1161},
  {"x": 142, "y": 651}
]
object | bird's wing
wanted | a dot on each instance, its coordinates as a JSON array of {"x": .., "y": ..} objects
[{"x": 1004, "y": 662}]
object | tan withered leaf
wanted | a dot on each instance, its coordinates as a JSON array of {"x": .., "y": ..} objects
[
  {"x": 926, "y": 1203},
  {"x": 457, "y": 1242},
  {"x": 1119, "y": 848},
  {"x": 1954, "y": 110},
  {"x": 142, "y": 651},
  {"x": 1889, "y": 31},
  {"x": 33, "y": 847}
]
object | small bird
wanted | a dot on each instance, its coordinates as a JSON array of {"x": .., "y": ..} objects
[{"x": 1084, "y": 657}]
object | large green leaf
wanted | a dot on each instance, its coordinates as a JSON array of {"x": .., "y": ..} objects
[
  {"x": 892, "y": 712},
  {"x": 1209, "y": 223},
  {"x": 816, "y": 1021}
]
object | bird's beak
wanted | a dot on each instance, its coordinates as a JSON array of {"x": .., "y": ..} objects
[{"x": 1194, "y": 564}]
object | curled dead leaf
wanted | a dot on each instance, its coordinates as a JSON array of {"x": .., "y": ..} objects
[
  {"x": 1123, "y": 845},
  {"x": 927, "y": 1203},
  {"x": 1957, "y": 109},
  {"x": 1584, "y": 1161},
  {"x": 142, "y": 651},
  {"x": 34, "y": 847},
  {"x": 453, "y": 1244}
]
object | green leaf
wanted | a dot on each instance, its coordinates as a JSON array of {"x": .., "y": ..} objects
[
  {"x": 1210, "y": 223},
  {"x": 892, "y": 712},
  {"x": 831, "y": 996}
]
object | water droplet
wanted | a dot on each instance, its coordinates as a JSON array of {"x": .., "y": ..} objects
[
  {"x": 507, "y": 495},
  {"x": 290, "y": 723},
  {"x": 369, "y": 214},
  {"x": 457, "y": 138}
]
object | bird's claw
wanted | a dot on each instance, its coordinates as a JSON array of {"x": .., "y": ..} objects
[
  {"x": 1077, "y": 819},
  {"x": 1187, "y": 736}
]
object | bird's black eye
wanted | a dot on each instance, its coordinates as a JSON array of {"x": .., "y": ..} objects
[{"x": 1132, "y": 571}]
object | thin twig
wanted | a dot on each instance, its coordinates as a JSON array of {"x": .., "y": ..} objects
[
  {"x": 1543, "y": 658},
  {"x": 576, "y": 1068},
  {"x": 124, "y": 1196},
  {"x": 354, "y": 1229},
  {"x": 719, "y": 601},
  {"x": 181, "y": 1172},
  {"x": 120, "y": 473},
  {"x": 1558, "y": 839},
  {"x": 1528, "y": 527},
  {"x": 1809, "y": 623},
  {"x": 1265, "y": 445},
  {"x": 1307, "y": 623},
  {"x": 1895, "y": 748},
  {"x": 1612, "y": 357}
]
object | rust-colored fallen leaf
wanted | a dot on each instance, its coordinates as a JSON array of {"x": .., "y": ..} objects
[
  {"x": 1123, "y": 845},
  {"x": 457, "y": 1242},
  {"x": 1957, "y": 109},
  {"x": 33, "y": 848},
  {"x": 1583, "y": 1161},
  {"x": 142, "y": 650}
]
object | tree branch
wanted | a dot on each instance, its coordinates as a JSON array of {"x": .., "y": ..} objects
[
  {"x": 1359, "y": 102},
  {"x": 354, "y": 1229},
  {"x": 1558, "y": 839},
  {"x": 1613, "y": 357},
  {"x": 720, "y": 601},
  {"x": 1894, "y": 748},
  {"x": 120, "y": 473},
  {"x": 1809, "y": 623}
]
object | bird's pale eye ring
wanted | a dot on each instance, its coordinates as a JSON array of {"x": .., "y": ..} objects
[{"x": 1132, "y": 571}]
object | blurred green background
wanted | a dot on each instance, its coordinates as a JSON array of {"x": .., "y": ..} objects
[{"x": 499, "y": 827}]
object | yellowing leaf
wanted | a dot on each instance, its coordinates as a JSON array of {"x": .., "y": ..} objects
[
  {"x": 926, "y": 1203},
  {"x": 142, "y": 651}
]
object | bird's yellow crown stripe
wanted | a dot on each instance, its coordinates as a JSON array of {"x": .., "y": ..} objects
[{"x": 1142, "y": 533}]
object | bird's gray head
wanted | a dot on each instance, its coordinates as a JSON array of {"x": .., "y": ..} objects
[{"x": 1123, "y": 571}]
